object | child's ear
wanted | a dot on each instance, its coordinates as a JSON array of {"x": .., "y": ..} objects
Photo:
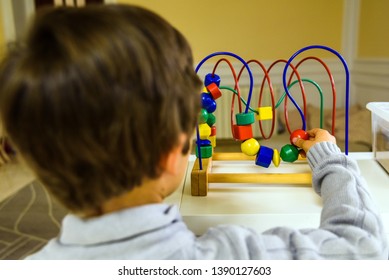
[{"x": 172, "y": 161}]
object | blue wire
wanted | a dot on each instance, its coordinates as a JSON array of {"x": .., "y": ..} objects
[
  {"x": 248, "y": 98},
  {"x": 347, "y": 86},
  {"x": 245, "y": 65}
]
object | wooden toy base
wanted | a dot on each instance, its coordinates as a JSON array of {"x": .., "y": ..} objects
[{"x": 200, "y": 179}]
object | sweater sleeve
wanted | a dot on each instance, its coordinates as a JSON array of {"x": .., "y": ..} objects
[{"x": 350, "y": 225}]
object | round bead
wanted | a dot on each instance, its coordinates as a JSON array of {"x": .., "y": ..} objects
[
  {"x": 250, "y": 147},
  {"x": 203, "y": 142},
  {"x": 206, "y": 151},
  {"x": 289, "y": 153},
  {"x": 276, "y": 158},
  {"x": 299, "y": 133},
  {"x": 208, "y": 103},
  {"x": 264, "y": 156},
  {"x": 212, "y": 78},
  {"x": 245, "y": 118},
  {"x": 211, "y": 119},
  {"x": 203, "y": 117}
]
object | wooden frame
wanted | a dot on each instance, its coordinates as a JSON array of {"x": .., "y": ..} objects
[{"x": 200, "y": 179}]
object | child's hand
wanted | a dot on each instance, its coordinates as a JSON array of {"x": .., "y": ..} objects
[{"x": 316, "y": 135}]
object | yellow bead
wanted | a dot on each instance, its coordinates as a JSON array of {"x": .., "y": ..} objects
[
  {"x": 265, "y": 113},
  {"x": 250, "y": 147},
  {"x": 204, "y": 131},
  {"x": 276, "y": 158},
  {"x": 213, "y": 140}
]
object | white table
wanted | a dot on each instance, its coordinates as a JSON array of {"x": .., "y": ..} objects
[{"x": 266, "y": 206}]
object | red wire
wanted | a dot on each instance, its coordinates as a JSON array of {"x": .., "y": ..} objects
[
  {"x": 332, "y": 86},
  {"x": 301, "y": 87},
  {"x": 236, "y": 80},
  {"x": 267, "y": 78}
]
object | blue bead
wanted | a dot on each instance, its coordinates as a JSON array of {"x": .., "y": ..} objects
[
  {"x": 203, "y": 142},
  {"x": 212, "y": 78},
  {"x": 264, "y": 156},
  {"x": 208, "y": 103}
]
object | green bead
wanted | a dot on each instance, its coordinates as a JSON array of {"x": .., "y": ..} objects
[
  {"x": 289, "y": 153},
  {"x": 203, "y": 116},
  {"x": 245, "y": 118},
  {"x": 206, "y": 151},
  {"x": 211, "y": 119}
]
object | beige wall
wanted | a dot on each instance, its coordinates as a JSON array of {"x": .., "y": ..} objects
[
  {"x": 374, "y": 29},
  {"x": 269, "y": 29},
  {"x": 2, "y": 39},
  {"x": 260, "y": 29}
]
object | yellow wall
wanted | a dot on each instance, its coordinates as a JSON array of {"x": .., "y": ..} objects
[
  {"x": 374, "y": 29},
  {"x": 2, "y": 40},
  {"x": 261, "y": 29}
]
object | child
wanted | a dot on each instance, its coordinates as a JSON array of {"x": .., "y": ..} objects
[{"x": 102, "y": 101}]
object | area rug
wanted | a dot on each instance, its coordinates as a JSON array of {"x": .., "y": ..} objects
[{"x": 28, "y": 220}]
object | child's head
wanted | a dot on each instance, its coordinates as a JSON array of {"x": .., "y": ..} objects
[{"x": 95, "y": 97}]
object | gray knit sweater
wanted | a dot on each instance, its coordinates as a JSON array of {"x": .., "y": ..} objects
[{"x": 350, "y": 227}]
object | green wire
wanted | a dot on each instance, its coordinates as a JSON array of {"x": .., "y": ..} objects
[
  {"x": 320, "y": 92},
  {"x": 241, "y": 98},
  {"x": 283, "y": 96}
]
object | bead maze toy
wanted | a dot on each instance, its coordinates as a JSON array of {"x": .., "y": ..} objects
[{"x": 241, "y": 122}]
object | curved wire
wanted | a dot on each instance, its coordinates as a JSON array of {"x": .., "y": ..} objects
[
  {"x": 332, "y": 87},
  {"x": 347, "y": 97},
  {"x": 320, "y": 93},
  {"x": 236, "y": 79},
  {"x": 286, "y": 116},
  {"x": 249, "y": 94}
]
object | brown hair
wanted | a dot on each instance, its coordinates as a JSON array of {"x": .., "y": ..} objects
[{"x": 95, "y": 97}]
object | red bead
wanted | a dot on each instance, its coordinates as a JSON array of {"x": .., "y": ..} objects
[
  {"x": 243, "y": 132},
  {"x": 214, "y": 91},
  {"x": 299, "y": 133},
  {"x": 213, "y": 130}
]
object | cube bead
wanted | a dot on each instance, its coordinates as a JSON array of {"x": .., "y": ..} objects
[
  {"x": 264, "y": 156},
  {"x": 243, "y": 132},
  {"x": 265, "y": 113}
]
